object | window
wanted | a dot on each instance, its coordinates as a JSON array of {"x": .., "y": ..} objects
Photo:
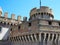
[
  {"x": 0, "y": 29},
  {"x": 59, "y": 24},
  {"x": 27, "y": 37},
  {"x": 42, "y": 36},
  {"x": 11, "y": 24},
  {"x": 37, "y": 35},
  {"x": 11, "y": 29},
  {"x": 50, "y": 36},
  {"x": 49, "y": 22},
  {"x": 54, "y": 37},
  {"x": 38, "y": 13},
  {"x": 41, "y": 15},
  {"x": 33, "y": 36},
  {"x": 34, "y": 15},
  {"x": 24, "y": 38},
  {"x": 8, "y": 23},
  {"x": 29, "y": 24},
  {"x": 4, "y": 23},
  {"x": 18, "y": 27},
  {"x": 46, "y": 37},
  {"x": 30, "y": 37}
]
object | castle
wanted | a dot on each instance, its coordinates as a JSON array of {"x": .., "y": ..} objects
[{"x": 40, "y": 29}]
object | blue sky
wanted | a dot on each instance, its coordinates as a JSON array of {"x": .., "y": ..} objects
[{"x": 23, "y": 7}]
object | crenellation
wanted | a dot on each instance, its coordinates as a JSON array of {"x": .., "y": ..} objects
[
  {"x": 12, "y": 16},
  {"x": 6, "y": 14},
  {"x": 19, "y": 18},
  {"x": 24, "y": 18},
  {"x": 41, "y": 27},
  {"x": 10, "y": 20}
]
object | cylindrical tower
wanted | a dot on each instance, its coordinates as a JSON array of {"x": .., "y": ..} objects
[
  {"x": 0, "y": 11},
  {"x": 42, "y": 13}
]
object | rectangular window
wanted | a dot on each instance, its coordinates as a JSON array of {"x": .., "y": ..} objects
[
  {"x": 50, "y": 23},
  {"x": 0, "y": 29},
  {"x": 29, "y": 24},
  {"x": 59, "y": 24},
  {"x": 18, "y": 27}
]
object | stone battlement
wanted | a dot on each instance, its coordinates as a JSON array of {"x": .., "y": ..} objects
[{"x": 11, "y": 21}]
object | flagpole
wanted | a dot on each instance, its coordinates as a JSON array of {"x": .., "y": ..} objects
[{"x": 40, "y": 3}]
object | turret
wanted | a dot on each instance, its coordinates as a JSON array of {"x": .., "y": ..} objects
[{"x": 42, "y": 13}]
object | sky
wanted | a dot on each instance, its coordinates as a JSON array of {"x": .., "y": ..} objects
[{"x": 23, "y": 7}]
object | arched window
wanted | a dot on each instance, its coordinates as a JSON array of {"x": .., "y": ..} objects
[
  {"x": 0, "y": 29},
  {"x": 41, "y": 15},
  {"x": 42, "y": 36},
  {"x": 46, "y": 37},
  {"x": 29, "y": 24},
  {"x": 11, "y": 29},
  {"x": 50, "y": 23},
  {"x": 50, "y": 36},
  {"x": 33, "y": 36},
  {"x": 19, "y": 27},
  {"x": 37, "y": 35},
  {"x": 4, "y": 23}
]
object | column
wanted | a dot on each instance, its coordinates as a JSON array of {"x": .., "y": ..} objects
[
  {"x": 52, "y": 37},
  {"x": 29, "y": 38},
  {"x": 59, "y": 40},
  {"x": 44, "y": 39},
  {"x": 56, "y": 40},
  {"x": 35, "y": 37},
  {"x": 12, "y": 39},
  {"x": 40, "y": 37},
  {"x": 26, "y": 38},
  {"x": 49, "y": 37},
  {"x": 23, "y": 38},
  {"x": 32, "y": 37},
  {"x": 20, "y": 38},
  {"x": 56, "y": 37},
  {"x": 48, "y": 41}
]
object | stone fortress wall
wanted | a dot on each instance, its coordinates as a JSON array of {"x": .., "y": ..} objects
[
  {"x": 41, "y": 29},
  {"x": 11, "y": 20}
]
